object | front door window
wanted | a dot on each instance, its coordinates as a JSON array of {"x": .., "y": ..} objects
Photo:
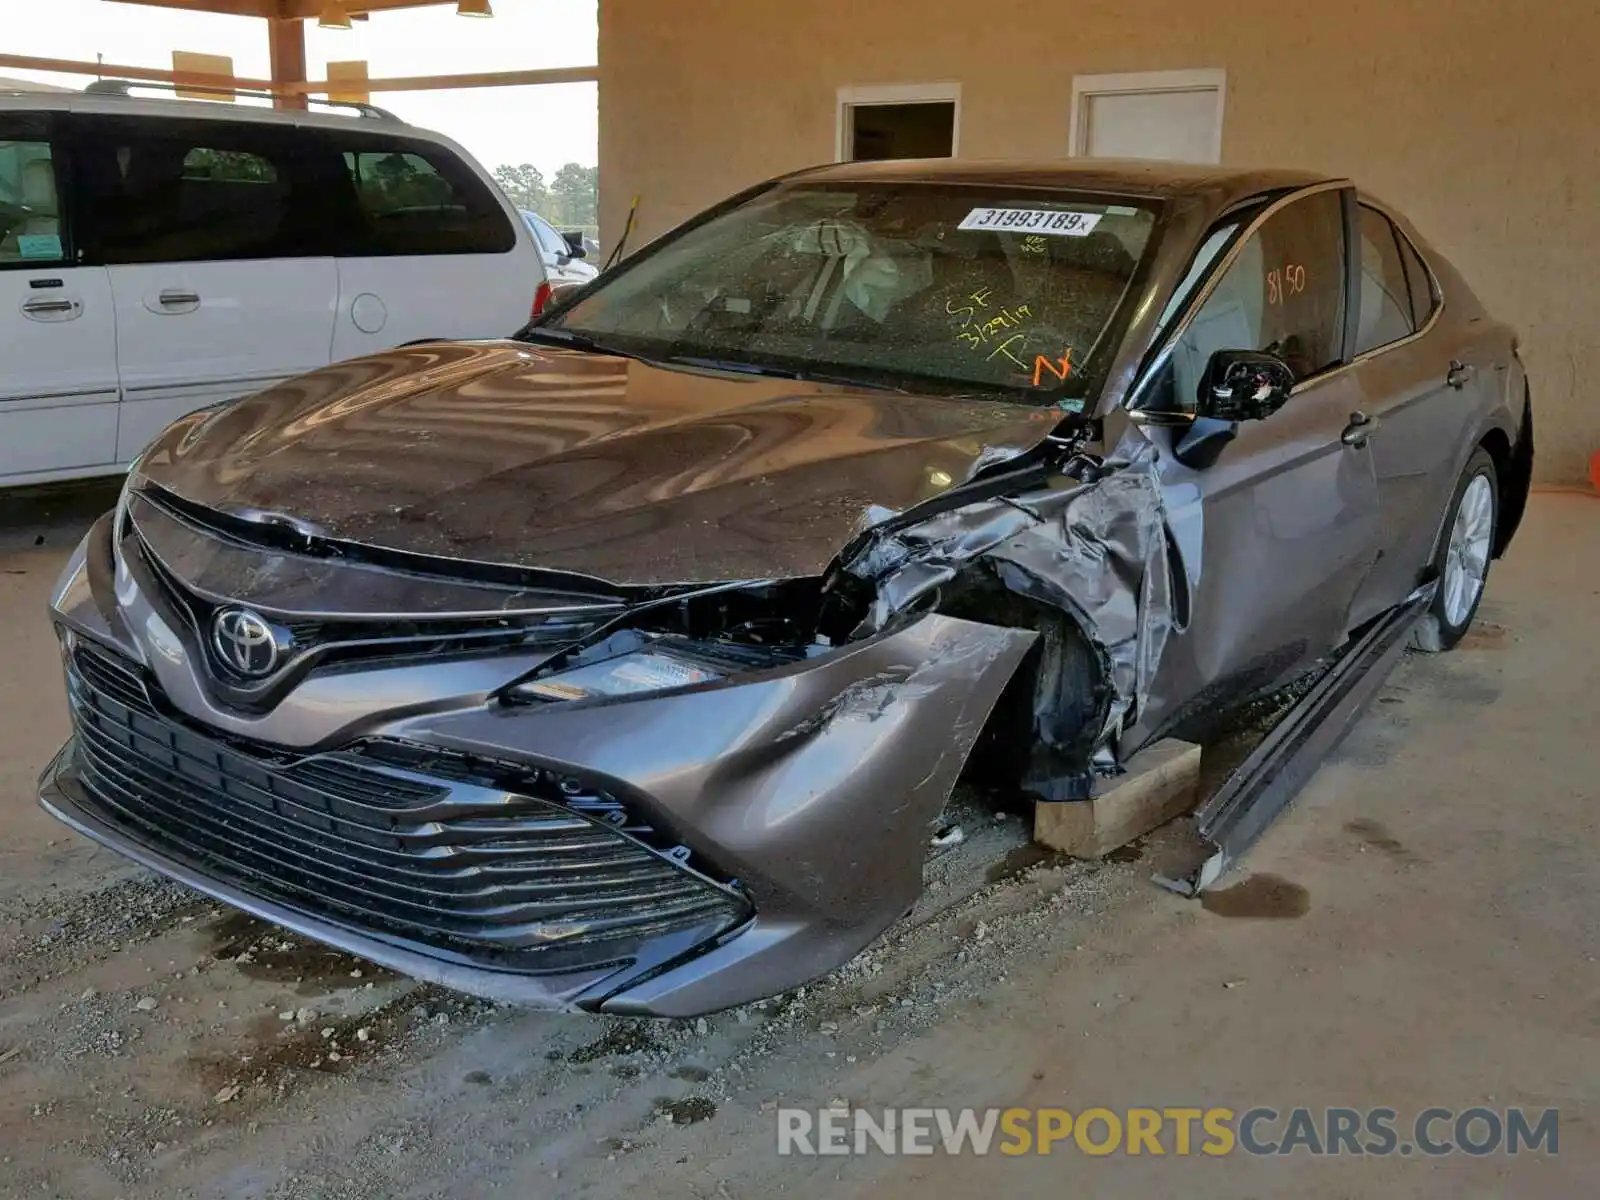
[{"x": 1284, "y": 293}]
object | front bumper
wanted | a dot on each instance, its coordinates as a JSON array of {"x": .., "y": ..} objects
[
  {"x": 63, "y": 793},
  {"x": 782, "y": 819}
]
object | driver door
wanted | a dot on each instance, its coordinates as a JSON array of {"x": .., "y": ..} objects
[{"x": 1275, "y": 538}]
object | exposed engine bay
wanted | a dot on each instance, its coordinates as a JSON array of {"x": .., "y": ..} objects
[{"x": 1070, "y": 547}]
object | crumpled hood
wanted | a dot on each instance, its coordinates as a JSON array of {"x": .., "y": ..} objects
[{"x": 529, "y": 456}]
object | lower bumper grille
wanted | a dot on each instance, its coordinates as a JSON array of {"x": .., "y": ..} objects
[{"x": 483, "y": 874}]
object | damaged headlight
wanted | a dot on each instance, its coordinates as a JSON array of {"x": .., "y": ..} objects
[
  {"x": 719, "y": 637},
  {"x": 652, "y": 670}
]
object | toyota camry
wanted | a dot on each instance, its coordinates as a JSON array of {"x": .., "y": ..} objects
[{"x": 626, "y": 664}]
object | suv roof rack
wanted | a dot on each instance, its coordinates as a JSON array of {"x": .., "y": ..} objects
[{"x": 124, "y": 87}]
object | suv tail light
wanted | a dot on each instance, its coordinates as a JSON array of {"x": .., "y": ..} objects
[{"x": 541, "y": 298}]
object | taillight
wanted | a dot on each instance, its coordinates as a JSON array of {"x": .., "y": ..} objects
[{"x": 541, "y": 297}]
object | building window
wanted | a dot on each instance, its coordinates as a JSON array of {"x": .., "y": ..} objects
[
  {"x": 1172, "y": 115},
  {"x": 899, "y": 121}
]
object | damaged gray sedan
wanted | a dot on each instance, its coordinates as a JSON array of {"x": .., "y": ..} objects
[{"x": 627, "y": 664}]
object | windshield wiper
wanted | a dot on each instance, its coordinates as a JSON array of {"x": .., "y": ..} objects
[
  {"x": 803, "y": 374},
  {"x": 573, "y": 340},
  {"x": 569, "y": 340},
  {"x": 559, "y": 337}
]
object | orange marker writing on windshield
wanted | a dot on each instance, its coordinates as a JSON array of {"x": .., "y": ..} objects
[{"x": 1041, "y": 364}]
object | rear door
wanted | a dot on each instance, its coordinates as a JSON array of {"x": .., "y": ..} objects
[
  {"x": 1278, "y": 536},
  {"x": 58, "y": 368},
  {"x": 1416, "y": 392},
  {"x": 428, "y": 248},
  {"x": 211, "y": 234}
]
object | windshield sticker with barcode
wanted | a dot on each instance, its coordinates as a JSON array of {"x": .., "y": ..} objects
[{"x": 1032, "y": 220}]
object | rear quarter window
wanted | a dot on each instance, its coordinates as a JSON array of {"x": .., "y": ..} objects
[
  {"x": 1419, "y": 281},
  {"x": 413, "y": 198}
]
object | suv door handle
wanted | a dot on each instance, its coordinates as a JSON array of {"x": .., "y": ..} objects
[
  {"x": 1460, "y": 375},
  {"x": 52, "y": 309},
  {"x": 173, "y": 298},
  {"x": 1361, "y": 428}
]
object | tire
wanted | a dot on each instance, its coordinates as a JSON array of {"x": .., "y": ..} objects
[{"x": 1466, "y": 549}]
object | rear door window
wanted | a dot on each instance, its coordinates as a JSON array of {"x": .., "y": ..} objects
[
  {"x": 156, "y": 190},
  {"x": 413, "y": 198},
  {"x": 31, "y": 230},
  {"x": 1385, "y": 313}
]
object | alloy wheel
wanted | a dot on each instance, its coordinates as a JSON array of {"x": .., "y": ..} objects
[{"x": 1466, "y": 562}]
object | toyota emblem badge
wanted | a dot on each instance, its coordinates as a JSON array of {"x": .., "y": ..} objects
[{"x": 245, "y": 643}]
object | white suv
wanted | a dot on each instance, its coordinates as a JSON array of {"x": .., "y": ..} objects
[{"x": 158, "y": 256}]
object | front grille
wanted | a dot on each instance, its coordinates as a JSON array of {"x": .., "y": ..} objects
[
  {"x": 484, "y": 874},
  {"x": 366, "y": 640}
]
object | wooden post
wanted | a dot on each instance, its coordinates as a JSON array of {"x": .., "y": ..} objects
[
  {"x": 287, "y": 41},
  {"x": 1161, "y": 782}
]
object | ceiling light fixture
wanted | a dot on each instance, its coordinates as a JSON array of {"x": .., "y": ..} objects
[
  {"x": 473, "y": 8},
  {"x": 333, "y": 16}
]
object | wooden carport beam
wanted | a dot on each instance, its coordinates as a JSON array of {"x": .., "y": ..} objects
[
  {"x": 434, "y": 83},
  {"x": 286, "y": 40},
  {"x": 286, "y": 35},
  {"x": 286, "y": 43},
  {"x": 237, "y": 8},
  {"x": 310, "y": 9},
  {"x": 69, "y": 66},
  {"x": 281, "y": 9},
  {"x": 399, "y": 83}
]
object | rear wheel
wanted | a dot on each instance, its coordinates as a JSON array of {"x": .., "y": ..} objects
[{"x": 1462, "y": 566}]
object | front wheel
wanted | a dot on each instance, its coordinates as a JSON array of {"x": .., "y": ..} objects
[{"x": 1462, "y": 565}]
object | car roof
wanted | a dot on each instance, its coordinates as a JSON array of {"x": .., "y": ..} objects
[
  {"x": 112, "y": 104},
  {"x": 1135, "y": 177}
]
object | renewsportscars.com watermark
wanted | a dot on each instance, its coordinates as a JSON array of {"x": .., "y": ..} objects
[{"x": 1097, "y": 1132}]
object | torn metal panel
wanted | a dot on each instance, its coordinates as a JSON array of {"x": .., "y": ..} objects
[
  {"x": 1269, "y": 779},
  {"x": 1093, "y": 551}
]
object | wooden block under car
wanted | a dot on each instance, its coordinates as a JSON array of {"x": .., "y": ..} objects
[{"x": 1161, "y": 782}]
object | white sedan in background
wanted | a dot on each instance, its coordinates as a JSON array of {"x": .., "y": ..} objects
[{"x": 565, "y": 258}]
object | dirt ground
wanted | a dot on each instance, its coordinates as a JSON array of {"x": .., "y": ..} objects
[{"x": 1419, "y": 930}]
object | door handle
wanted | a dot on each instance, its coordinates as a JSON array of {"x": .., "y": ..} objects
[
  {"x": 1361, "y": 428},
  {"x": 1460, "y": 375},
  {"x": 174, "y": 298},
  {"x": 52, "y": 307}
]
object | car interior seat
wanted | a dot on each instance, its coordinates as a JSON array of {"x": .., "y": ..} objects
[{"x": 41, "y": 217}]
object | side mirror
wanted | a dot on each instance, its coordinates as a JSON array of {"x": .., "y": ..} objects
[
  {"x": 1243, "y": 385},
  {"x": 575, "y": 248}
]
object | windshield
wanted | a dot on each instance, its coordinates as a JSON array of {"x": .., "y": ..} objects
[{"x": 966, "y": 288}]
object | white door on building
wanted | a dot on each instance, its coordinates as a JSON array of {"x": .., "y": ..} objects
[{"x": 1173, "y": 115}]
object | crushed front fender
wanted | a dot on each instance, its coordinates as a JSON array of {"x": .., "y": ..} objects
[{"x": 1090, "y": 550}]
